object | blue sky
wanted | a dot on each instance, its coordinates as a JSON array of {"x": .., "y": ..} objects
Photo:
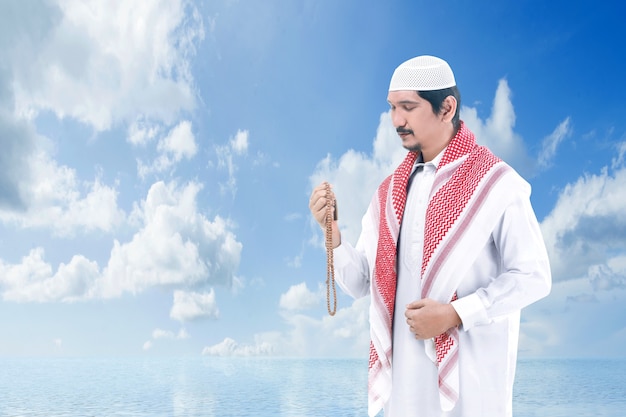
[{"x": 157, "y": 158}]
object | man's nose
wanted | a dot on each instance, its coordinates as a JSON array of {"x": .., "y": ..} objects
[{"x": 397, "y": 119}]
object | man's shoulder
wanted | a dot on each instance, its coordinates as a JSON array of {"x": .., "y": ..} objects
[{"x": 510, "y": 179}]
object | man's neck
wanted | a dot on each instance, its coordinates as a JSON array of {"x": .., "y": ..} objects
[{"x": 429, "y": 154}]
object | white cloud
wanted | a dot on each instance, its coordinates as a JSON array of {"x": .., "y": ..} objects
[
  {"x": 98, "y": 63},
  {"x": 141, "y": 132},
  {"x": 551, "y": 142},
  {"x": 588, "y": 223},
  {"x": 192, "y": 305},
  {"x": 346, "y": 334},
  {"x": 178, "y": 144},
  {"x": 497, "y": 131},
  {"x": 167, "y": 334},
  {"x": 237, "y": 146},
  {"x": 618, "y": 161},
  {"x": 175, "y": 246},
  {"x": 610, "y": 275},
  {"x": 229, "y": 347},
  {"x": 33, "y": 280},
  {"x": 18, "y": 141},
  {"x": 39, "y": 193},
  {"x": 105, "y": 62},
  {"x": 298, "y": 297},
  {"x": 164, "y": 334},
  {"x": 547, "y": 328},
  {"x": 584, "y": 234},
  {"x": 239, "y": 143}
]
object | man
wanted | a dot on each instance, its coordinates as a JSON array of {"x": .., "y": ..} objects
[{"x": 450, "y": 251}]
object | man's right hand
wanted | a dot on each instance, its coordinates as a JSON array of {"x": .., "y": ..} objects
[{"x": 317, "y": 205}]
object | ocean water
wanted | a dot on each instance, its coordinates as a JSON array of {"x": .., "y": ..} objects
[{"x": 262, "y": 387}]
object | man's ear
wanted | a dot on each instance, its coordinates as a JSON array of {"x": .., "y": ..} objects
[{"x": 448, "y": 108}]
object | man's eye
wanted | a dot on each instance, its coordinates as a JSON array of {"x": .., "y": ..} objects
[{"x": 408, "y": 108}]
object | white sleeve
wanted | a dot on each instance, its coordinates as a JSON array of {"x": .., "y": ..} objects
[
  {"x": 354, "y": 265},
  {"x": 525, "y": 270},
  {"x": 352, "y": 272}
]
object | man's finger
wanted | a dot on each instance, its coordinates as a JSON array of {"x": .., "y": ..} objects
[{"x": 416, "y": 304}]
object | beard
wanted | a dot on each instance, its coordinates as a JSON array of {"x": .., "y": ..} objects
[{"x": 413, "y": 148}]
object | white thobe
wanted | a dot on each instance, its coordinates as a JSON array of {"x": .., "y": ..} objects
[{"x": 511, "y": 272}]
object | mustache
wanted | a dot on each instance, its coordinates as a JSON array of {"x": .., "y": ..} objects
[{"x": 401, "y": 130}]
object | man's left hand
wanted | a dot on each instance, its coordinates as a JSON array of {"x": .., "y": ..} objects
[{"x": 429, "y": 318}]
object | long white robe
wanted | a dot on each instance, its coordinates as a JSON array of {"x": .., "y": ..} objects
[{"x": 511, "y": 272}]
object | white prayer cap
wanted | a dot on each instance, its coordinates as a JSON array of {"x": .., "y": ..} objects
[{"x": 422, "y": 73}]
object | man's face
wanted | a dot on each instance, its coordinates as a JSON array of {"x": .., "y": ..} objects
[{"x": 414, "y": 120}]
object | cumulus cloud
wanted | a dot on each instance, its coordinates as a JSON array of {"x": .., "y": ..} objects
[
  {"x": 37, "y": 192},
  {"x": 584, "y": 234},
  {"x": 60, "y": 203},
  {"x": 164, "y": 334},
  {"x": 101, "y": 63},
  {"x": 229, "y": 347},
  {"x": 178, "y": 144},
  {"x": 174, "y": 246},
  {"x": 33, "y": 280},
  {"x": 299, "y": 297},
  {"x": 239, "y": 143},
  {"x": 497, "y": 131},
  {"x": 547, "y": 329},
  {"x": 141, "y": 132},
  {"x": 192, "y": 305},
  {"x": 498, "y": 134},
  {"x": 167, "y": 334},
  {"x": 18, "y": 141},
  {"x": 609, "y": 276},
  {"x": 344, "y": 335},
  {"x": 588, "y": 223}
]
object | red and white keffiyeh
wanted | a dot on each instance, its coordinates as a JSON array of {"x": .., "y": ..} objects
[{"x": 459, "y": 218}]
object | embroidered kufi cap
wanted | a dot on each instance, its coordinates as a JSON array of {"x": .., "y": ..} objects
[{"x": 422, "y": 73}]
